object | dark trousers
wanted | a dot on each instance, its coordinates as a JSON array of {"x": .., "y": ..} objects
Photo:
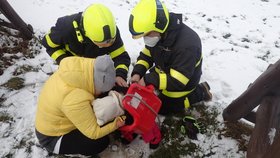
[
  {"x": 175, "y": 105},
  {"x": 74, "y": 143}
]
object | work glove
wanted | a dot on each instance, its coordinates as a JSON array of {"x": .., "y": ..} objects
[
  {"x": 108, "y": 108},
  {"x": 191, "y": 127}
]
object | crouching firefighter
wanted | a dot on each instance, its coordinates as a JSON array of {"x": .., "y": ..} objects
[
  {"x": 89, "y": 34},
  {"x": 171, "y": 60}
]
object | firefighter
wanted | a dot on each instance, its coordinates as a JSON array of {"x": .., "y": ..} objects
[
  {"x": 89, "y": 34},
  {"x": 172, "y": 58}
]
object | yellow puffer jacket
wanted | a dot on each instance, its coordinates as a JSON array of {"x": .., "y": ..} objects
[{"x": 65, "y": 101}]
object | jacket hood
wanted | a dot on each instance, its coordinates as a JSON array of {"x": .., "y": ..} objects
[
  {"x": 77, "y": 72},
  {"x": 169, "y": 37}
]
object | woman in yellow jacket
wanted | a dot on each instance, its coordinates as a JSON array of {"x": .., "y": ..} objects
[{"x": 65, "y": 120}]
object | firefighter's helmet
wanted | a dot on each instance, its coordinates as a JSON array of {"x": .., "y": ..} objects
[
  {"x": 146, "y": 16},
  {"x": 98, "y": 23}
]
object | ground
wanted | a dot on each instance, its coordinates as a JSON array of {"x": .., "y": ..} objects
[{"x": 174, "y": 144}]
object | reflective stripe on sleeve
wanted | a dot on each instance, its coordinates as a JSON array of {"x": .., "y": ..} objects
[
  {"x": 144, "y": 63},
  {"x": 146, "y": 52},
  {"x": 50, "y": 42},
  {"x": 57, "y": 54},
  {"x": 122, "y": 66},
  {"x": 179, "y": 76},
  {"x": 69, "y": 50},
  {"x": 117, "y": 52}
]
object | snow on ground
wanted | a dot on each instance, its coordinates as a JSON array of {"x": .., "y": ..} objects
[{"x": 240, "y": 39}]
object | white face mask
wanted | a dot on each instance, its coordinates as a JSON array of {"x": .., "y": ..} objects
[{"x": 151, "y": 41}]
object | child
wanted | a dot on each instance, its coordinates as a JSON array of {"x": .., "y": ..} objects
[{"x": 108, "y": 108}]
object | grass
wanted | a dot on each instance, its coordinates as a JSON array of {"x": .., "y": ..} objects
[
  {"x": 5, "y": 117},
  {"x": 14, "y": 83},
  {"x": 238, "y": 131},
  {"x": 23, "y": 69},
  {"x": 175, "y": 145}
]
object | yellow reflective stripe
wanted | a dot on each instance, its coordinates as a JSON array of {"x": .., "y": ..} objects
[
  {"x": 146, "y": 52},
  {"x": 117, "y": 52},
  {"x": 78, "y": 32},
  {"x": 75, "y": 24},
  {"x": 196, "y": 65},
  {"x": 162, "y": 81},
  {"x": 50, "y": 42},
  {"x": 187, "y": 103},
  {"x": 57, "y": 54},
  {"x": 176, "y": 94},
  {"x": 157, "y": 70},
  {"x": 144, "y": 63},
  {"x": 179, "y": 76},
  {"x": 69, "y": 50},
  {"x": 122, "y": 66}
]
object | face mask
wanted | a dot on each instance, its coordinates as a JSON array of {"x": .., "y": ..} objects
[{"x": 151, "y": 41}]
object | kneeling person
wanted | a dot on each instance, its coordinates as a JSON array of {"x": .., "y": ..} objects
[{"x": 65, "y": 121}]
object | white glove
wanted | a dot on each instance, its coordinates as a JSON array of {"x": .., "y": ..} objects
[{"x": 108, "y": 108}]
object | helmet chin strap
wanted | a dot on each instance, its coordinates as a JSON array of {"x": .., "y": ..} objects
[{"x": 161, "y": 19}]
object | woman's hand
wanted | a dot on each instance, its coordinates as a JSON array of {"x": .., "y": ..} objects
[{"x": 120, "y": 121}]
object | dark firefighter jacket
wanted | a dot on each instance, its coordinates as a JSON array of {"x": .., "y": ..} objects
[
  {"x": 62, "y": 42},
  {"x": 177, "y": 60}
]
